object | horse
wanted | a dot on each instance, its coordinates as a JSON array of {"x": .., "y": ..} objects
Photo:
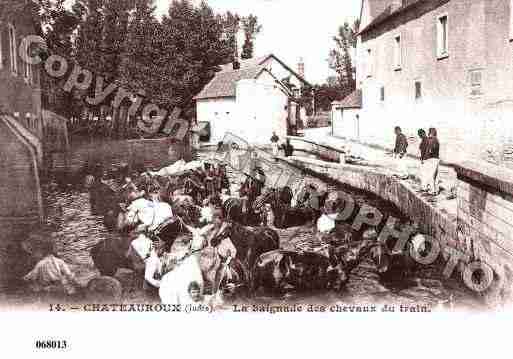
[
  {"x": 110, "y": 255},
  {"x": 392, "y": 266},
  {"x": 249, "y": 243},
  {"x": 175, "y": 286},
  {"x": 241, "y": 211},
  {"x": 284, "y": 215},
  {"x": 305, "y": 270},
  {"x": 231, "y": 281},
  {"x": 195, "y": 189},
  {"x": 104, "y": 201},
  {"x": 201, "y": 266}
]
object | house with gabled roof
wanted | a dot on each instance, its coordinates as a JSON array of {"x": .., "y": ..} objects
[
  {"x": 252, "y": 98},
  {"x": 446, "y": 64}
]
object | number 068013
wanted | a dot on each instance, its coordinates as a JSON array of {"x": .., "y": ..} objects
[{"x": 51, "y": 344}]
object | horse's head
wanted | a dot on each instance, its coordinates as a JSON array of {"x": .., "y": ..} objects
[
  {"x": 225, "y": 231},
  {"x": 231, "y": 279}
]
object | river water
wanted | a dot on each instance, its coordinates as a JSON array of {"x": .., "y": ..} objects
[{"x": 77, "y": 230}]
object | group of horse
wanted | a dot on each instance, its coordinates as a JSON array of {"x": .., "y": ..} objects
[{"x": 251, "y": 222}]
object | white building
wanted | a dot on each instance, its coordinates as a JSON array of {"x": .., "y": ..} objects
[
  {"x": 250, "y": 99},
  {"x": 345, "y": 116}
]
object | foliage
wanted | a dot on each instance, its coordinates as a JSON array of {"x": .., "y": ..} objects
[
  {"x": 340, "y": 57},
  {"x": 169, "y": 60},
  {"x": 251, "y": 30}
]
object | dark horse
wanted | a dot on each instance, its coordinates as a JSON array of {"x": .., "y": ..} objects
[
  {"x": 284, "y": 215},
  {"x": 193, "y": 187},
  {"x": 109, "y": 255},
  {"x": 105, "y": 202},
  {"x": 241, "y": 210},
  {"x": 249, "y": 243}
]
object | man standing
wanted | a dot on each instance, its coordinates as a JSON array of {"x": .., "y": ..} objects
[
  {"x": 274, "y": 144},
  {"x": 432, "y": 161},
  {"x": 401, "y": 144},
  {"x": 288, "y": 148},
  {"x": 195, "y": 135},
  {"x": 422, "y": 168}
]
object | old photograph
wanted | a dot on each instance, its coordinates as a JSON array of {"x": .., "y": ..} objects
[{"x": 269, "y": 156}]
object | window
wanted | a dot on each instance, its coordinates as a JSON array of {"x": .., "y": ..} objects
[
  {"x": 369, "y": 63},
  {"x": 397, "y": 53},
  {"x": 476, "y": 79},
  {"x": 27, "y": 70},
  {"x": 382, "y": 93},
  {"x": 418, "y": 90},
  {"x": 12, "y": 49},
  {"x": 442, "y": 36}
]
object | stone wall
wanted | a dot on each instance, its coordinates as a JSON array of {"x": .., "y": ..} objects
[
  {"x": 20, "y": 193},
  {"x": 112, "y": 153},
  {"x": 485, "y": 214},
  {"x": 431, "y": 221}
]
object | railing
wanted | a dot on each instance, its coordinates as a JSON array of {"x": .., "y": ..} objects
[{"x": 324, "y": 152}]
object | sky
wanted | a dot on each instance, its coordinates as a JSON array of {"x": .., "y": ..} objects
[{"x": 292, "y": 29}]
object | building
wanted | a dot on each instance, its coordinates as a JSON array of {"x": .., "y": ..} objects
[
  {"x": 21, "y": 133},
  {"x": 345, "y": 116},
  {"x": 438, "y": 63},
  {"x": 252, "y": 98}
]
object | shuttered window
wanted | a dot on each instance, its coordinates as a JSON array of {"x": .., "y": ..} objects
[
  {"x": 397, "y": 53},
  {"x": 12, "y": 49},
  {"x": 418, "y": 90},
  {"x": 442, "y": 36}
]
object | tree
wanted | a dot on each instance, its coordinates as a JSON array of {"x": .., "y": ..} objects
[
  {"x": 231, "y": 26},
  {"x": 57, "y": 25},
  {"x": 325, "y": 94},
  {"x": 193, "y": 46},
  {"x": 251, "y": 30},
  {"x": 340, "y": 57}
]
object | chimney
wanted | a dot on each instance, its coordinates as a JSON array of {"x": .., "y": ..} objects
[{"x": 301, "y": 67}]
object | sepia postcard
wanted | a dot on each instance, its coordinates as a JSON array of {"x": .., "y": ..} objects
[{"x": 206, "y": 173}]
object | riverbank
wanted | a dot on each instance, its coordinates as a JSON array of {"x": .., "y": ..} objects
[{"x": 445, "y": 217}]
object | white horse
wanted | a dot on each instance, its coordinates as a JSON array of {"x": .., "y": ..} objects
[
  {"x": 150, "y": 214},
  {"x": 175, "y": 285}
]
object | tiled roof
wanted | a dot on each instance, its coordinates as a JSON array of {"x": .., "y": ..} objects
[
  {"x": 353, "y": 100},
  {"x": 389, "y": 12},
  {"x": 225, "y": 81}
]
